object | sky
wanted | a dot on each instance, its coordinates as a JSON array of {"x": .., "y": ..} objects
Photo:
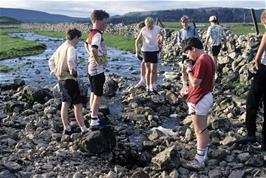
[{"x": 83, "y": 8}]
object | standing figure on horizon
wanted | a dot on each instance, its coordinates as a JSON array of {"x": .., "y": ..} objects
[
  {"x": 97, "y": 51},
  {"x": 150, "y": 35},
  {"x": 217, "y": 35},
  {"x": 186, "y": 32},
  {"x": 257, "y": 93},
  {"x": 142, "y": 81},
  {"x": 63, "y": 64},
  {"x": 200, "y": 79}
]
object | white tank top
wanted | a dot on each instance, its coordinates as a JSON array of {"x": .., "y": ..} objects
[{"x": 263, "y": 58}]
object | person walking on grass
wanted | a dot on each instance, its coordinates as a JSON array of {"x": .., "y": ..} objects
[
  {"x": 97, "y": 51},
  {"x": 257, "y": 93},
  {"x": 142, "y": 81},
  {"x": 63, "y": 64},
  {"x": 150, "y": 35},
  {"x": 217, "y": 35},
  {"x": 200, "y": 78}
]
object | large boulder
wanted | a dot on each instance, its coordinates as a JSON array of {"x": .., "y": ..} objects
[
  {"x": 99, "y": 141},
  {"x": 34, "y": 94},
  {"x": 167, "y": 159},
  {"x": 110, "y": 87}
]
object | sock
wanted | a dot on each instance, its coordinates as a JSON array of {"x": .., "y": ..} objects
[
  {"x": 151, "y": 88},
  {"x": 142, "y": 79},
  {"x": 147, "y": 88},
  {"x": 201, "y": 154},
  {"x": 67, "y": 127},
  {"x": 94, "y": 121},
  {"x": 84, "y": 129}
]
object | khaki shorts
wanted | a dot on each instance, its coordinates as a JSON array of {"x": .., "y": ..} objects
[{"x": 202, "y": 107}]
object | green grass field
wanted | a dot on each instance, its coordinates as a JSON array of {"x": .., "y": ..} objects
[
  {"x": 114, "y": 41},
  {"x": 11, "y": 47}
]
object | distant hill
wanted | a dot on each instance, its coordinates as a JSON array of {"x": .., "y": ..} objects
[
  {"x": 199, "y": 15},
  {"x": 8, "y": 21},
  {"x": 30, "y": 16}
]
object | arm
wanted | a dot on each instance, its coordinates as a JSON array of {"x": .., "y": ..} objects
[
  {"x": 86, "y": 46},
  {"x": 260, "y": 51},
  {"x": 51, "y": 64},
  {"x": 137, "y": 41},
  {"x": 188, "y": 76},
  {"x": 72, "y": 61}
]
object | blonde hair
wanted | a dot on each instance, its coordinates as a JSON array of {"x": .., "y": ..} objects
[
  {"x": 263, "y": 17},
  {"x": 149, "y": 22}
]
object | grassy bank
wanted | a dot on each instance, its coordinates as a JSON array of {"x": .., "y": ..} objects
[
  {"x": 237, "y": 28},
  {"x": 114, "y": 41},
  {"x": 6, "y": 68},
  {"x": 11, "y": 47}
]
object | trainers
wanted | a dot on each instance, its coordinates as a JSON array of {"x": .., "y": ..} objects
[
  {"x": 140, "y": 84},
  {"x": 246, "y": 139},
  {"x": 195, "y": 165},
  {"x": 100, "y": 124}
]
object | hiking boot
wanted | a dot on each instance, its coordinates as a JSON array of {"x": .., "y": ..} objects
[
  {"x": 140, "y": 84},
  {"x": 247, "y": 139},
  {"x": 67, "y": 132},
  {"x": 195, "y": 165}
]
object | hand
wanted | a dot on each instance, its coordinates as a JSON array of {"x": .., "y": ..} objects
[
  {"x": 184, "y": 91},
  {"x": 52, "y": 73},
  {"x": 188, "y": 66},
  {"x": 136, "y": 54},
  {"x": 85, "y": 45},
  {"x": 183, "y": 68},
  {"x": 257, "y": 64}
]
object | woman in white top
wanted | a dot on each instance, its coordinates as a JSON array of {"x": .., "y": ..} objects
[
  {"x": 151, "y": 37},
  {"x": 257, "y": 93}
]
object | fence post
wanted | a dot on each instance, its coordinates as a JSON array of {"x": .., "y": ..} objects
[{"x": 255, "y": 21}]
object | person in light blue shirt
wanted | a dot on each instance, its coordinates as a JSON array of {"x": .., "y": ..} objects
[{"x": 186, "y": 32}]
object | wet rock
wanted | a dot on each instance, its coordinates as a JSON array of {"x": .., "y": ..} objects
[
  {"x": 40, "y": 95},
  {"x": 110, "y": 87},
  {"x": 167, "y": 159},
  {"x": 215, "y": 173},
  {"x": 99, "y": 141},
  {"x": 237, "y": 174},
  {"x": 140, "y": 174}
]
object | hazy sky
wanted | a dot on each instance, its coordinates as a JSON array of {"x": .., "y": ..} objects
[{"x": 82, "y": 8}]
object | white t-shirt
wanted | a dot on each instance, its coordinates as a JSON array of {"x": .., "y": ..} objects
[
  {"x": 150, "y": 38},
  {"x": 216, "y": 34},
  {"x": 263, "y": 58}
]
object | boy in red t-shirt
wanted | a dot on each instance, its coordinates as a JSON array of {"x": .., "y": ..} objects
[{"x": 200, "y": 79}]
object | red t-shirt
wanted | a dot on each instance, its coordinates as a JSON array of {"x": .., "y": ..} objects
[{"x": 203, "y": 69}]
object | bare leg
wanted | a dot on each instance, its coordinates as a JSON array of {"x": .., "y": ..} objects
[
  {"x": 91, "y": 100},
  {"x": 200, "y": 123},
  {"x": 153, "y": 73},
  {"x": 148, "y": 73},
  {"x": 142, "y": 71},
  {"x": 64, "y": 114},
  {"x": 95, "y": 105},
  {"x": 78, "y": 114}
]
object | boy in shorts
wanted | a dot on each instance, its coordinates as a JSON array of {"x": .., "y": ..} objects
[
  {"x": 200, "y": 78},
  {"x": 63, "y": 64},
  {"x": 96, "y": 48}
]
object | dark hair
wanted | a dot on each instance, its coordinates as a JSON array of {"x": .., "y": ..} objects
[
  {"x": 99, "y": 15},
  {"x": 191, "y": 42},
  {"x": 140, "y": 25},
  {"x": 72, "y": 33}
]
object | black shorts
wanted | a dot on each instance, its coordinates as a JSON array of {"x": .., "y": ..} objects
[
  {"x": 151, "y": 57},
  {"x": 97, "y": 82},
  {"x": 216, "y": 50},
  {"x": 69, "y": 91}
]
